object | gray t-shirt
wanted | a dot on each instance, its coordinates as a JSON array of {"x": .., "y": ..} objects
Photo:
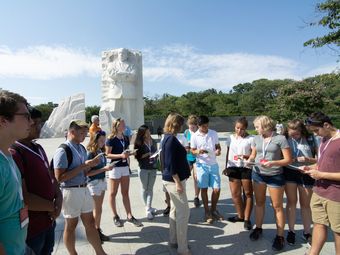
[
  {"x": 79, "y": 156},
  {"x": 273, "y": 151}
]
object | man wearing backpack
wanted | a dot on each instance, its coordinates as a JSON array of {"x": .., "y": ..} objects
[
  {"x": 40, "y": 188},
  {"x": 77, "y": 200}
]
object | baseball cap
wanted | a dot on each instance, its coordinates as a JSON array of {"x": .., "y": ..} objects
[{"x": 78, "y": 124}]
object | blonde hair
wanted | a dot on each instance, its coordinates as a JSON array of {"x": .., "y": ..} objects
[
  {"x": 266, "y": 123},
  {"x": 192, "y": 120},
  {"x": 115, "y": 125},
  {"x": 173, "y": 123},
  {"x": 93, "y": 146}
]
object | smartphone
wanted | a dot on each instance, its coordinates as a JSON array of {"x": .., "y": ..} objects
[
  {"x": 113, "y": 163},
  {"x": 101, "y": 154}
]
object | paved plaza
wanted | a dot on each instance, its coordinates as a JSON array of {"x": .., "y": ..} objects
[{"x": 218, "y": 238}]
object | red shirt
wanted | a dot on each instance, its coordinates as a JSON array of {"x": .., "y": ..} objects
[
  {"x": 329, "y": 162},
  {"x": 35, "y": 172}
]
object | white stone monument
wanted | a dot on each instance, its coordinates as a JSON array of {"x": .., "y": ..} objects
[
  {"x": 122, "y": 88},
  {"x": 70, "y": 108}
]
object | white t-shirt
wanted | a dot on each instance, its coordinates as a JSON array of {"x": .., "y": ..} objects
[
  {"x": 207, "y": 142},
  {"x": 181, "y": 138},
  {"x": 237, "y": 147}
]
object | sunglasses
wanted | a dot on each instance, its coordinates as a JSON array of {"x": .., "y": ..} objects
[
  {"x": 309, "y": 121},
  {"x": 27, "y": 115}
]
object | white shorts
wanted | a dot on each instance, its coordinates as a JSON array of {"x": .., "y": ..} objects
[
  {"x": 97, "y": 186},
  {"x": 118, "y": 172},
  {"x": 76, "y": 201}
]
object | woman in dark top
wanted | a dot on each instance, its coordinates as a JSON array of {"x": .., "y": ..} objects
[
  {"x": 117, "y": 146},
  {"x": 147, "y": 166},
  {"x": 97, "y": 182},
  {"x": 175, "y": 173}
]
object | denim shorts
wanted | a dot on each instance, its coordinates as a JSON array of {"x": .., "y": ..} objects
[
  {"x": 294, "y": 176},
  {"x": 274, "y": 181},
  {"x": 208, "y": 176}
]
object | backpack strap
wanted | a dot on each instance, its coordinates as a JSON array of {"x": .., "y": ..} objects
[{"x": 69, "y": 155}]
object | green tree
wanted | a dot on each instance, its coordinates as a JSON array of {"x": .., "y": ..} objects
[
  {"x": 91, "y": 110},
  {"x": 46, "y": 109},
  {"x": 331, "y": 20}
]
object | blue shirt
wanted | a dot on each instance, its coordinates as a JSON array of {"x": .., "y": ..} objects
[
  {"x": 117, "y": 147},
  {"x": 91, "y": 155},
  {"x": 190, "y": 157},
  {"x": 12, "y": 236},
  {"x": 79, "y": 156}
]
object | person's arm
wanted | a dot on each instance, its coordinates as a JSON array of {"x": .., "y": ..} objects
[
  {"x": 217, "y": 149},
  {"x": 252, "y": 154},
  {"x": 98, "y": 171},
  {"x": 317, "y": 175},
  {"x": 179, "y": 186},
  {"x": 109, "y": 155}
]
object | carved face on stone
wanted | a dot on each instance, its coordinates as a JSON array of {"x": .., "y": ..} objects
[{"x": 122, "y": 55}]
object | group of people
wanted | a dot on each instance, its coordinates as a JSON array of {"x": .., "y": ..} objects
[{"x": 302, "y": 162}]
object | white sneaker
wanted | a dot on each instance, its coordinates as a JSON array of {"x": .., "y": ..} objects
[{"x": 149, "y": 215}]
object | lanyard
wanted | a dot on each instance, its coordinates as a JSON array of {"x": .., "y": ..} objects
[
  {"x": 13, "y": 170},
  {"x": 149, "y": 146},
  {"x": 80, "y": 156},
  {"x": 40, "y": 154},
  {"x": 296, "y": 147},
  {"x": 122, "y": 142},
  {"x": 264, "y": 148},
  {"x": 321, "y": 152}
]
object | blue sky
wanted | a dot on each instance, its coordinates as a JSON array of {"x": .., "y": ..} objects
[{"x": 52, "y": 49}]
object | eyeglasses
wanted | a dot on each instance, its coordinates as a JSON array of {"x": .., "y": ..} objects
[
  {"x": 100, "y": 133},
  {"x": 310, "y": 121},
  {"x": 27, "y": 115}
]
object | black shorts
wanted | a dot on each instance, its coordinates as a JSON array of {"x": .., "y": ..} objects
[
  {"x": 294, "y": 176},
  {"x": 191, "y": 163},
  {"x": 239, "y": 173}
]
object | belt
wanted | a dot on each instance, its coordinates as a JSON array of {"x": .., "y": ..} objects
[{"x": 77, "y": 186}]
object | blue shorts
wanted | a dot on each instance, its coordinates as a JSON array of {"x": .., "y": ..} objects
[
  {"x": 208, "y": 176},
  {"x": 274, "y": 181}
]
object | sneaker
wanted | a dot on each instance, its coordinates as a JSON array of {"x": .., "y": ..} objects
[
  {"x": 208, "y": 218},
  {"x": 153, "y": 211},
  {"x": 278, "y": 243},
  {"x": 103, "y": 238},
  {"x": 247, "y": 225},
  {"x": 117, "y": 221},
  {"x": 256, "y": 234},
  {"x": 216, "y": 215},
  {"x": 307, "y": 238},
  {"x": 197, "y": 202},
  {"x": 166, "y": 211},
  {"x": 235, "y": 219},
  {"x": 291, "y": 238},
  {"x": 135, "y": 222},
  {"x": 149, "y": 215}
]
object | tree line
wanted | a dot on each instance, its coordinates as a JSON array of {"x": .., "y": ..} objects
[{"x": 281, "y": 99}]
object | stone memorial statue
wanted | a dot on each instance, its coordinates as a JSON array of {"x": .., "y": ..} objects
[{"x": 122, "y": 88}]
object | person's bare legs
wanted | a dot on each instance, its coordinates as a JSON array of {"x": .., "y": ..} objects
[
  {"x": 70, "y": 235},
  {"x": 337, "y": 242},
  {"x": 305, "y": 195},
  {"x": 215, "y": 195},
  {"x": 197, "y": 189},
  {"x": 97, "y": 210},
  {"x": 235, "y": 189},
  {"x": 204, "y": 196},
  {"x": 92, "y": 233},
  {"x": 114, "y": 185},
  {"x": 125, "y": 184},
  {"x": 291, "y": 193},
  {"x": 319, "y": 238},
  {"x": 248, "y": 192},
  {"x": 260, "y": 200},
  {"x": 276, "y": 195}
]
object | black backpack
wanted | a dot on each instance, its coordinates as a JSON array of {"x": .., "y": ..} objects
[
  {"x": 69, "y": 156},
  {"x": 312, "y": 144}
]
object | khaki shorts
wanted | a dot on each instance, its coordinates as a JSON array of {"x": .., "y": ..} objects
[
  {"x": 76, "y": 201},
  {"x": 325, "y": 212},
  {"x": 97, "y": 186}
]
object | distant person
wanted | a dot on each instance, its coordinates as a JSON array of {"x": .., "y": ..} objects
[
  {"x": 238, "y": 151},
  {"x": 188, "y": 133},
  {"x": 270, "y": 152},
  {"x": 97, "y": 181},
  {"x": 41, "y": 190},
  {"x": 147, "y": 172},
  {"x": 77, "y": 201},
  {"x": 175, "y": 173},
  {"x": 303, "y": 146},
  {"x": 128, "y": 132},
  {"x": 15, "y": 122},
  {"x": 94, "y": 128},
  {"x": 159, "y": 132},
  {"x": 117, "y": 149},
  {"x": 205, "y": 145},
  {"x": 325, "y": 202}
]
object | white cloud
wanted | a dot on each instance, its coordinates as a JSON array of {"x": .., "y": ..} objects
[
  {"x": 45, "y": 62},
  {"x": 178, "y": 64}
]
